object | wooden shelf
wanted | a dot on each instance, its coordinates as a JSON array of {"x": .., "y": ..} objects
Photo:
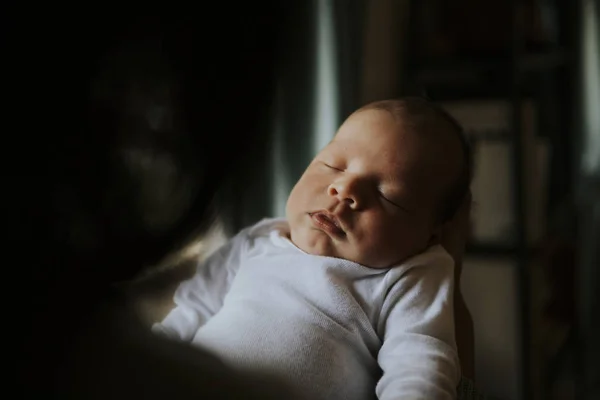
[
  {"x": 496, "y": 250},
  {"x": 491, "y": 249},
  {"x": 532, "y": 61},
  {"x": 487, "y": 75}
]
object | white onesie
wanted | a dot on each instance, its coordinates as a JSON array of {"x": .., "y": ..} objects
[{"x": 327, "y": 327}]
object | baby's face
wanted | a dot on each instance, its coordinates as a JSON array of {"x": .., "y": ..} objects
[{"x": 371, "y": 195}]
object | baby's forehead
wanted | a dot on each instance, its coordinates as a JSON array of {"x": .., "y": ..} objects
[
  {"x": 399, "y": 135},
  {"x": 425, "y": 146},
  {"x": 410, "y": 160}
]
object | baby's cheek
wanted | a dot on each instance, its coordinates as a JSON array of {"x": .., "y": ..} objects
[
  {"x": 375, "y": 245},
  {"x": 397, "y": 241}
]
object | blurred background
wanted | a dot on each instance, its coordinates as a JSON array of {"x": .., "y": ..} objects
[{"x": 523, "y": 77}]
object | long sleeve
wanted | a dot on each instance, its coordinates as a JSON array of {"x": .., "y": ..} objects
[
  {"x": 419, "y": 357},
  {"x": 200, "y": 297}
]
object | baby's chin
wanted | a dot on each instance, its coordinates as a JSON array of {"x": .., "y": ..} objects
[
  {"x": 314, "y": 242},
  {"x": 318, "y": 243}
]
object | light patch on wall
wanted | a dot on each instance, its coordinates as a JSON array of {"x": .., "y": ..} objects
[
  {"x": 326, "y": 102},
  {"x": 281, "y": 182},
  {"x": 591, "y": 88}
]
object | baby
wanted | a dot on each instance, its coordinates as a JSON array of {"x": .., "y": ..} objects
[{"x": 350, "y": 296}]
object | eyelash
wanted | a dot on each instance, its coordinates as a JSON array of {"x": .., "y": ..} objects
[
  {"x": 390, "y": 201},
  {"x": 385, "y": 198},
  {"x": 332, "y": 167}
]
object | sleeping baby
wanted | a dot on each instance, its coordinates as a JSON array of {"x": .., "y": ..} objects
[{"x": 351, "y": 295}]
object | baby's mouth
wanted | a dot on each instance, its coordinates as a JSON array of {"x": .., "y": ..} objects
[{"x": 327, "y": 223}]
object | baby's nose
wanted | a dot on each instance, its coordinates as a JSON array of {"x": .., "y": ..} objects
[{"x": 347, "y": 191}]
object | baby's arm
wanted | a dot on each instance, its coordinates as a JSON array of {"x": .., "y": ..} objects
[
  {"x": 200, "y": 297},
  {"x": 418, "y": 356}
]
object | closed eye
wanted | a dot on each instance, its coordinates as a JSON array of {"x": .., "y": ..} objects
[
  {"x": 382, "y": 195},
  {"x": 332, "y": 167}
]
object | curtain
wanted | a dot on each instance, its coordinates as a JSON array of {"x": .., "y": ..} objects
[
  {"x": 588, "y": 203},
  {"x": 317, "y": 86}
]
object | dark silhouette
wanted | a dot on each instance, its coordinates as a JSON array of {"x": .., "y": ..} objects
[{"x": 125, "y": 128}]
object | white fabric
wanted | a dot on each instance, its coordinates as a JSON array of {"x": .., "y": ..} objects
[{"x": 330, "y": 328}]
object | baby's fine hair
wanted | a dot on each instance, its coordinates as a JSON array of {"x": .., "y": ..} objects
[{"x": 422, "y": 115}]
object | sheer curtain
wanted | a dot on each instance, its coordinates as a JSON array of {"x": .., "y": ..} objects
[
  {"x": 589, "y": 203},
  {"x": 590, "y": 64},
  {"x": 317, "y": 85}
]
